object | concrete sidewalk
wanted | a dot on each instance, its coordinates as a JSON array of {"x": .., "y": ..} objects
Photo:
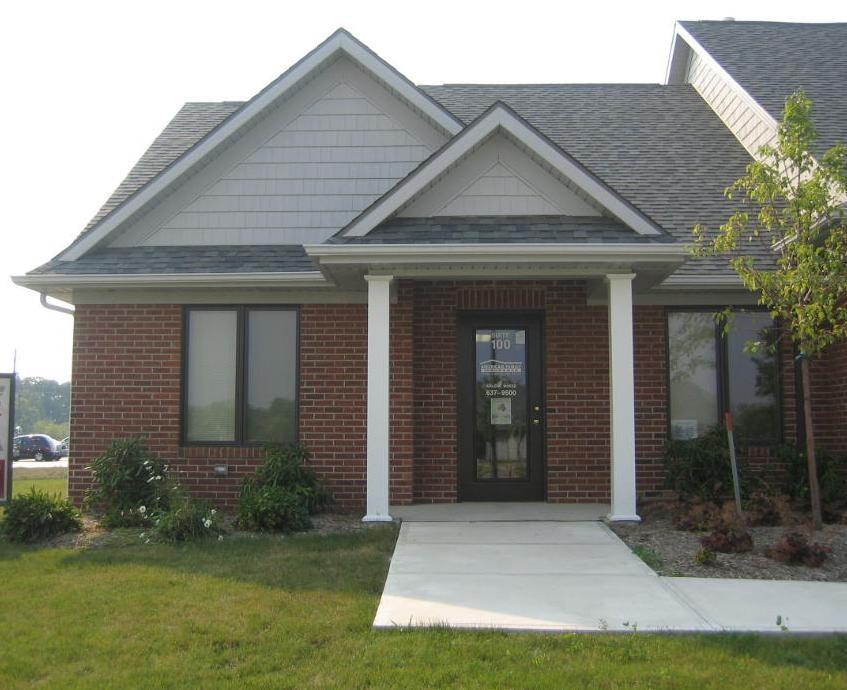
[{"x": 577, "y": 576}]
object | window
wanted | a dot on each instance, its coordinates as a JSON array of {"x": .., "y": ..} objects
[
  {"x": 240, "y": 375},
  {"x": 712, "y": 372}
]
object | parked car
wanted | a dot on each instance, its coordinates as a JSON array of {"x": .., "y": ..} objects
[
  {"x": 36, "y": 446},
  {"x": 65, "y": 445}
]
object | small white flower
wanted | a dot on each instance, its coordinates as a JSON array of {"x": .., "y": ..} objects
[
  {"x": 142, "y": 509},
  {"x": 213, "y": 511},
  {"x": 142, "y": 535},
  {"x": 220, "y": 537},
  {"x": 207, "y": 523}
]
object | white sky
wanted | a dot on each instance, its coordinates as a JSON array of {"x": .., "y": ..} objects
[{"x": 86, "y": 86}]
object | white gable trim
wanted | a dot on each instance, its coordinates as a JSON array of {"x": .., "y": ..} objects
[
  {"x": 499, "y": 116},
  {"x": 339, "y": 42},
  {"x": 677, "y": 64}
]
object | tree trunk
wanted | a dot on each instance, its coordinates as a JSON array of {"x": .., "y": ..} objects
[{"x": 814, "y": 487}]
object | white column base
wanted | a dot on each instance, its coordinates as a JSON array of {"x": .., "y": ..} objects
[
  {"x": 377, "y": 518},
  {"x": 622, "y": 518}
]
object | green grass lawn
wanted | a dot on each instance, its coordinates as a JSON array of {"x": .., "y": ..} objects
[
  {"x": 49, "y": 485},
  {"x": 296, "y": 612}
]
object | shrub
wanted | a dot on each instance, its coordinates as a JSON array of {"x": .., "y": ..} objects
[
  {"x": 728, "y": 540},
  {"x": 763, "y": 509},
  {"x": 794, "y": 549},
  {"x": 129, "y": 483},
  {"x": 272, "y": 509},
  {"x": 185, "y": 519},
  {"x": 36, "y": 515},
  {"x": 696, "y": 516},
  {"x": 705, "y": 556},
  {"x": 728, "y": 535},
  {"x": 832, "y": 474},
  {"x": 700, "y": 467},
  {"x": 284, "y": 466},
  {"x": 282, "y": 494}
]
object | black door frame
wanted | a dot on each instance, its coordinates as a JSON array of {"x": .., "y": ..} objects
[{"x": 470, "y": 489}]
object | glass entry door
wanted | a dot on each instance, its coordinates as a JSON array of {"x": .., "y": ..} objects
[{"x": 501, "y": 415}]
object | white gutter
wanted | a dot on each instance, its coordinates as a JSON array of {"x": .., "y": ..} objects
[
  {"x": 159, "y": 280},
  {"x": 487, "y": 253},
  {"x": 55, "y": 307}
]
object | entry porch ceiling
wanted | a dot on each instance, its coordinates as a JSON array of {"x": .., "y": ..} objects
[{"x": 346, "y": 265}]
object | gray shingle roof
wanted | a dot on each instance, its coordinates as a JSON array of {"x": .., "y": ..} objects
[
  {"x": 771, "y": 60},
  {"x": 660, "y": 147},
  {"x": 209, "y": 259},
  {"x": 501, "y": 230},
  {"x": 188, "y": 126}
]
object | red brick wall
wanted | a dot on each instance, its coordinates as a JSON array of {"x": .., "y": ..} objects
[
  {"x": 126, "y": 381},
  {"x": 126, "y": 375},
  {"x": 651, "y": 397},
  {"x": 829, "y": 399},
  {"x": 576, "y": 383}
]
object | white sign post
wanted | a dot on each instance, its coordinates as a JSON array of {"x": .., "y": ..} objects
[{"x": 7, "y": 430}]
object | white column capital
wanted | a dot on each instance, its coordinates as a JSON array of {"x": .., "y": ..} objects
[
  {"x": 619, "y": 277},
  {"x": 378, "y": 278}
]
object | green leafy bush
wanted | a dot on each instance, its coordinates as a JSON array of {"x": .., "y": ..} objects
[
  {"x": 832, "y": 474},
  {"x": 36, "y": 515},
  {"x": 282, "y": 494},
  {"x": 129, "y": 483},
  {"x": 272, "y": 509},
  {"x": 185, "y": 519}
]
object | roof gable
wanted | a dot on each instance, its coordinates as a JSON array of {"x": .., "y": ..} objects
[
  {"x": 340, "y": 43},
  {"x": 500, "y": 120},
  {"x": 768, "y": 61}
]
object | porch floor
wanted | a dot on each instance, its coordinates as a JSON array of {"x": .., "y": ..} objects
[{"x": 501, "y": 512}]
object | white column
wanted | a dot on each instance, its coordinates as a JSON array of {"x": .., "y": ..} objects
[
  {"x": 379, "y": 306},
  {"x": 622, "y": 397}
]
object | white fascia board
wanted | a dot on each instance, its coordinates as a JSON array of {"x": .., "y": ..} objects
[
  {"x": 340, "y": 42},
  {"x": 694, "y": 44},
  {"x": 484, "y": 253},
  {"x": 300, "y": 279},
  {"x": 499, "y": 117}
]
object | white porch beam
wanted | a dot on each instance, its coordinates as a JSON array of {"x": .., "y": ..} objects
[
  {"x": 622, "y": 397},
  {"x": 379, "y": 309}
]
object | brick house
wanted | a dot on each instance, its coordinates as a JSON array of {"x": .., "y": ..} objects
[{"x": 447, "y": 293}]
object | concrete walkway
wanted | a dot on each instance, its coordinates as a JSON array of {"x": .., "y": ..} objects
[{"x": 577, "y": 576}]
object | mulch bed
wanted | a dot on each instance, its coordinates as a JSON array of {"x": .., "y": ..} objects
[
  {"x": 93, "y": 535},
  {"x": 676, "y": 549}
]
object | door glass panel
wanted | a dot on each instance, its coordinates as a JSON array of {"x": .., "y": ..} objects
[{"x": 501, "y": 404}]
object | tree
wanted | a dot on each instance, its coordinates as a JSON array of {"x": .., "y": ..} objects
[
  {"x": 795, "y": 202},
  {"x": 42, "y": 406}
]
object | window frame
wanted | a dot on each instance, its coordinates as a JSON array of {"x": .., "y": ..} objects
[
  {"x": 241, "y": 364},
  {"x": 722, "y": 370}
]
